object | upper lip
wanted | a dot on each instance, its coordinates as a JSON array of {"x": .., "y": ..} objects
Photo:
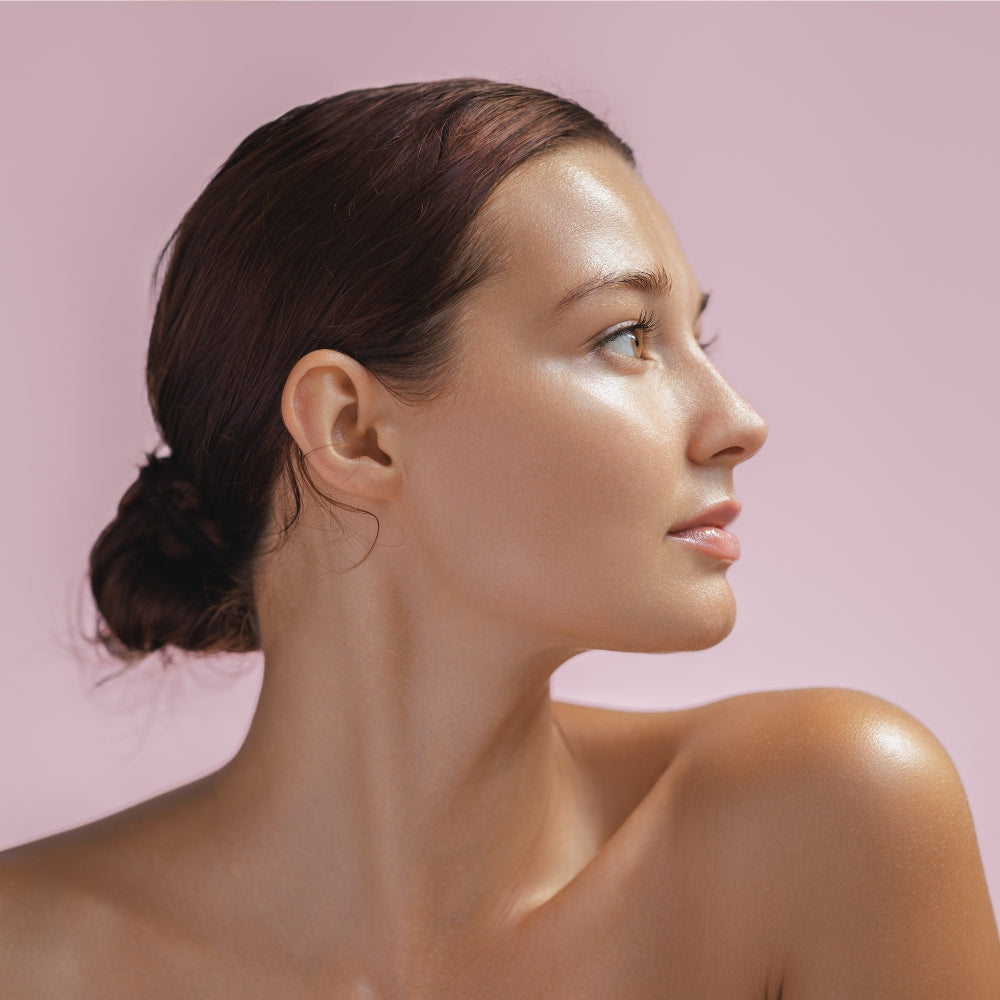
[{"x": 717, "y": 516}]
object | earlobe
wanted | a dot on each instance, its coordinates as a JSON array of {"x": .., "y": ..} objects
[{"x": 338, "y": 414}]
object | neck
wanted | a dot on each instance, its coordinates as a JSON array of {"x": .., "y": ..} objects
[{"x": 417, "y": 770}]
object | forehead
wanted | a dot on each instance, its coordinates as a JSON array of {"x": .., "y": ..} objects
[{"x": 575, "y": 216}]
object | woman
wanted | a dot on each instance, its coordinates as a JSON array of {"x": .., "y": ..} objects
[{"x": 427, "y": 363}]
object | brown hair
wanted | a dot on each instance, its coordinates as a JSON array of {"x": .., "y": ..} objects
[{"x": 343, "y": 224}]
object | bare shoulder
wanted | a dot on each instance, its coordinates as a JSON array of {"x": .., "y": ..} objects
[
  {"x": 76, "y": 910},
  {"x": 48, "y": 919},
  {"x": 787, "y": 744},
  {"x": 623, "y": 753},
  {"x": 836, "y": 822},
  {"x": 795, "y": 750},
  {"x": 820, "y": 837},
  {"x": 855, "y": 738}
]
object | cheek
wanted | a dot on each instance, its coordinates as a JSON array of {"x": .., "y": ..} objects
[{"x": 545, "y": 493}]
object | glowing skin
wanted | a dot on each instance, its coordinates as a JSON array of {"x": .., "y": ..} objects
[
  {"x": 411, "y": 816},
  {"x": 567, "y": 465}
]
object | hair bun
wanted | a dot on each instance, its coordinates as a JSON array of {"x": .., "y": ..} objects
[
  {"x": 175, "y": 501},
  {"x": 159, "y": 571}
]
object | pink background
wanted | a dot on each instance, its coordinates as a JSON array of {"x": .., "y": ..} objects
[{"x": 832, "y": 172}]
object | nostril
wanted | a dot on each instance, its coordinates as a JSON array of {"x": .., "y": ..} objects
[{"x": 735, "y": 450}]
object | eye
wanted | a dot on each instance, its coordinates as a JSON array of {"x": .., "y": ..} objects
[{"x": 638, "y": 332}]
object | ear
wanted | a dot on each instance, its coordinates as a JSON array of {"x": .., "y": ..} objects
[{"x": 345, "y": 422}]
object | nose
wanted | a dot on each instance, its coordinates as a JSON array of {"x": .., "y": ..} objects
[{"x": 726, "y": 429}]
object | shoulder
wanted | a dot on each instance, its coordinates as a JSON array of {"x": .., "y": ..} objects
[
  {"x": 825, "y": 769},
  {"x": 46, "y": 920},
  {"x": 850, "y": 740},
  {"x": 75, "y": 914},
  {"x": 836, "y": 822},
  {"x": 787, "y": 744},
  {"x": 799, "y": 754}
]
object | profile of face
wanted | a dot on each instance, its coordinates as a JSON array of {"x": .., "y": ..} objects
[{"x": 586, "y": 424}]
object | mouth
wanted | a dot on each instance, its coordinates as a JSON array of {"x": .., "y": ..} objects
[{"x": 707, "y": 531}]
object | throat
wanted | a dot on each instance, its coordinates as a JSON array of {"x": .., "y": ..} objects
[{"x": 390, "y": 833}]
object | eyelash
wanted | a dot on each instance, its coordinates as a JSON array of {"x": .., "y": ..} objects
[{"x": 649, "y": 326}]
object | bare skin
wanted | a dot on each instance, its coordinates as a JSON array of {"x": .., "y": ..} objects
[{"x": 411, "y": 816}]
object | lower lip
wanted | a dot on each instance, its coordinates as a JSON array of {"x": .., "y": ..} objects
[{"x": 715, "y": 542}]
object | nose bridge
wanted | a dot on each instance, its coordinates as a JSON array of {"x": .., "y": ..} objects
[{"x": 725, "y": 427}]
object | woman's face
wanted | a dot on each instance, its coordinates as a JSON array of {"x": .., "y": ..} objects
[{"x": 551, "y": 487}]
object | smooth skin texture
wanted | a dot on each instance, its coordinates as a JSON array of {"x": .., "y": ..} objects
[{"x": 411, "y": 816}]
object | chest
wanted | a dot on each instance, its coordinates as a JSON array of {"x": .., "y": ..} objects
[{"x": 606, "y": 938}]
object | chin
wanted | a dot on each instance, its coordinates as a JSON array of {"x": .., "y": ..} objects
[
  {"x": 704, "y": 624},
  {"x": 712, "y": 625},
  {"x": 711, "y": 636},
  {"x": 691, "y": 619},
  {"x": 698, "y": 629}
]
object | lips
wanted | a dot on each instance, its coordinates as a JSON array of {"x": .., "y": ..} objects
[{"x": 707, "y": 531}]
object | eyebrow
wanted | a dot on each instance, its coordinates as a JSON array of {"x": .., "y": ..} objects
[{"x": 652, "y": 283}]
